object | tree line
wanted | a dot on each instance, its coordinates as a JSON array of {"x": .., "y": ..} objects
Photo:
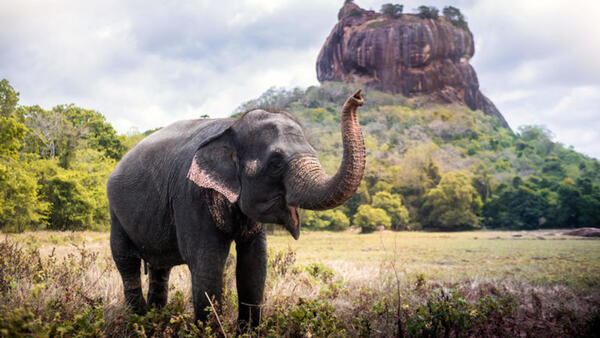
[
  {"x": 428, "y": 166},
  {"x": 54, "y": 165}
]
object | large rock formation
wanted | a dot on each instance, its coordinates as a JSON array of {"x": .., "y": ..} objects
[{"x": 407, "y": 55}]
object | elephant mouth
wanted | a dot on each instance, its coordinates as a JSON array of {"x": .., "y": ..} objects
[{"x": 293, "y": 223}]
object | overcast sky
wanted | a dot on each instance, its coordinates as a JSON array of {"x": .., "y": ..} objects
[{"x": 145, "y": 64}]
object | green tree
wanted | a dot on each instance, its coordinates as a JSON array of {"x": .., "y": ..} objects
[
  {"x": 553, "y": 167},
  {"x": 93, "y": 127},
  {"x": 8, "y": 99},
  {"x": 524, "y": 205},
  {"x": 393, "y": 10},
  {"x": 48, "y": 132},
  {"x": 428, "y": 12},
  {"x": 368, "y": 218},
  {"x": 77, "y": 195},
  {"x": 20, "y": 207},
  {"x": 12, "y": 134},
  {"x": 392, "y": 204},
  {"x": 453, "y": 203},
  {"x": 454, "y": 15}
]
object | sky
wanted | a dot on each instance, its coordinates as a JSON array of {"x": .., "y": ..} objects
[{"x": 145, "y": 64}]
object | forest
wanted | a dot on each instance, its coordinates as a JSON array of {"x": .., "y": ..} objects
[{"x": 429, "y": 166}]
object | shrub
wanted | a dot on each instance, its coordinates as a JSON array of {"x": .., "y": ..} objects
[
  {"x": 311, "y": 317},
  {"x": 392, "y": 204},
  {"x": 454, "y": 15},
  {"x": 368, "y": 218},
  {"x": 393, "y": 10},
  {"x": 428, "y": 12},
  {"x": 325, "y": 220}
]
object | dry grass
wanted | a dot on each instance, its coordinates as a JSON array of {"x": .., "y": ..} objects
[{"x": 548, "y": 283}]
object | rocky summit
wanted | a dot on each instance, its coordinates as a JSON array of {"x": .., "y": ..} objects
[{"x": 404, "y": 54}]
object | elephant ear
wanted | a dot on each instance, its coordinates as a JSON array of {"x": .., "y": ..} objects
[{"x": 214, "y": 166}]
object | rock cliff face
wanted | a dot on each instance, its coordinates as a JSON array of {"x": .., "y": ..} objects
[{"x": 407, "y": 55}]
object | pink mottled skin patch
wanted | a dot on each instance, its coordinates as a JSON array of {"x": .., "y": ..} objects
[
  {"x": 203, "y": 179},
  {"x": 251, "y": 168}
]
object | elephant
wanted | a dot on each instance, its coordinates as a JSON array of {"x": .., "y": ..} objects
[{"x": 184, "y": 193}]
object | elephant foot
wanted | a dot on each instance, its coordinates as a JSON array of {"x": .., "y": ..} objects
[{"x": 135, "y": 301}]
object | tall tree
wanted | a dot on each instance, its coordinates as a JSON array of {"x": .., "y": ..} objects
[
  {"x": 453, "y": 203},
  {"x": 8, "y": 99}
]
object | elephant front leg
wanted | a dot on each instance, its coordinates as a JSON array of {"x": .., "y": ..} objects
[
  {"x": 251, "y": 271},
  {"x": 207, "y": 279}
]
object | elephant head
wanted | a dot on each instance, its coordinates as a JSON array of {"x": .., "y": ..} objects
[{"x": 263, "y": 162}]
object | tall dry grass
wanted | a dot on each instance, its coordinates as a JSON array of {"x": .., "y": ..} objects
[{"x": 69, "y": 286}]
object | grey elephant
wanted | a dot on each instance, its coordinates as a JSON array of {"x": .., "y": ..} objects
[{"x": 184, "y": 193}]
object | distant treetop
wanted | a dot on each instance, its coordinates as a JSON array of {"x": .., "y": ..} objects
[
  {"x": 454, "y": 15},
  {"x": 428, "y": 12},
  {"x": 393, "y": 10}
]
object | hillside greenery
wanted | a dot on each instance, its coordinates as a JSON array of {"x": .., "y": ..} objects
[
  {"x": 428, "y": 166},
  {"x": 447, "y": 167}
]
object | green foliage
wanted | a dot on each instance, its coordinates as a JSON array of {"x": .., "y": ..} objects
[
  {"x": 320, "y": 271},
  {"x": 12, "y": 134},
  {"x": 77, "y": 196},
  {"x": 171, "y": 320},
  {"x": 54, "y": 163},
  {"x": 325, "y": 220},
  {"x": 310, "y": 317},
  {"x": 52, "y": 300},
  {"x": 428, "y": 12},
  {"x": 21, "y": 206},
  {"x": 393, "y": 10},
  {"x": 100, "y": 134},
  {"x": 392, "y": 204},
  {"x": 453, "y": 203},
  {"x": 8, "y": 99},
  {"x": 454, "y": 15},
  {"x": 411, "y": 146},
  {"x": 449, "y": 314},
  {"x": 369, "y": 218}
]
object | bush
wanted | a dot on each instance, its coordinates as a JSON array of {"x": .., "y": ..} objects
[
  {"x": 428, "y": 12},
  {"x": 393, "y": 10},
  {"x": 392, "y": 204},
  {"x": 307, "y": 317},
  {"x": 448, "y": 314},
  {"x": 454, "y": 15},
  {"x": 369, "y": 218},
  {"x": 325, "y": 220}
]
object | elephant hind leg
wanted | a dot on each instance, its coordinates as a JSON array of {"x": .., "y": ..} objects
[
  {"x": 128, "y": 263},
  {"x": 159, "y": 286}
]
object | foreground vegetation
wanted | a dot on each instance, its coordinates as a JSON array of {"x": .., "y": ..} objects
[{"x": 380, "y": 284}]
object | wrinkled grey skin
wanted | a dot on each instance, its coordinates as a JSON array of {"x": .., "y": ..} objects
[{"x": 183, "y": 194}]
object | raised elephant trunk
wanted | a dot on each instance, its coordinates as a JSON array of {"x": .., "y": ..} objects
[{"x": 307, "y": 184}]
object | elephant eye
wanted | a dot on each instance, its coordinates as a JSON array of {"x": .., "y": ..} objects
[{"x": 276, "y": 165}]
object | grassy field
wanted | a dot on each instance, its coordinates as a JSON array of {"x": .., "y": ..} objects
[{"x": 419, "y": 283}]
